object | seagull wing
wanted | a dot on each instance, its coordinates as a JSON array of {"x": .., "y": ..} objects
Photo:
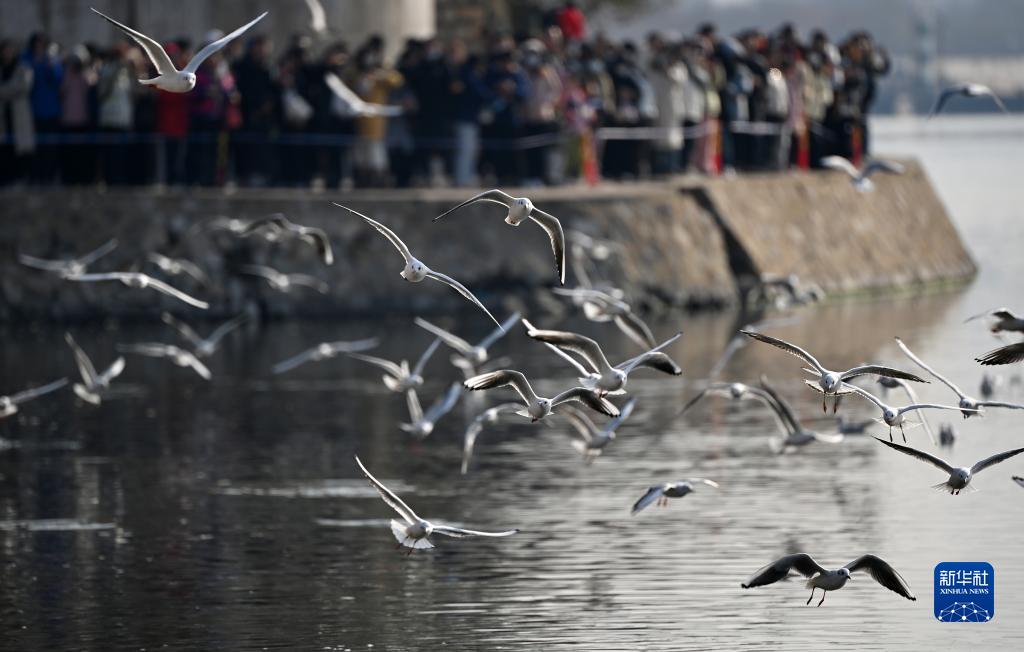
[
  {"x": 995, "y": 459},
  {"x": 782, "y": 408},
  {"x": 712, "y": 389},
  {"x": 1004, "y": 355},
  {"x": 154, "y": 51},
  {"x": 85, "y": 366},
  {"x": 495, "y": 196},
  {"x": 454, "y": 341},
  {"x": 882, "y": 573},
  {"x": 390, "y": 367},
  {"x": 227, "y": 327},
  {"x": 912, "y": 395},
  {"x": 801, "y": 562},
  {"x": 29, "y": 394},
  {"x": 942, "y": 99},
  {"x": 422, "y": 362},
  {"x": 653, "y": 493},
  {"x": 1019, "y": 480},
  {"x": 581, "y": 345},
  {"x": 294, "y": 361},
  {"x": 160, "y": 286},
  {"x": 385, "y": 231},
  {"x": 992, "y": 312},
  {"x": 736, "y": 343},
  {"x": 635, "y": 328},
  {"x": 113, "y": 371},
  {"x": 412, "y": 401},
  {"x": 184, "y": 329},
  {"x": 98, "y": 252},
  {"x": 880, "y": 370},
  {"x": 458, "y": 532},
  {"x": 624, "y": 414},
  {"x": 500, "y": 378},
  {"x": 203, "y": 54},
  {"x": 1000, "y": 404},
  {"x": 499, "y": 332},
  {"x": 792, "y": 349},
  {"x": 309, "y": 281},
  {"x": 588, "y": 398},
  {"x": 391, "y": 499},
  {"x": 317, "y": 16},
  {"x": 841, "y": 164},
  {"x": 461, "y": 289},
  {"x": 580, "y": 369},
  {"x": 553, "y": 228},
  {"x": 868, "y": 395},
  {"x": 878, "y": 165},
  {"x": 937, "y": 462},
  {"x": 199, "y": 367},
  {"x": 920, "y": 363},
  {"x": 579, "y": 421},
  {"x": 474, "y": 429},
  {"x": 710, "y": 483},
  {"x": 40, "y": 263},
  {"x": 444, "y": 405},
  {"x": 655, "y": 360},
  {"x": 927, "y": 406}
]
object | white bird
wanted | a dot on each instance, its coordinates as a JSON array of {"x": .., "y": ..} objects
[
  {"x": 591, "y": 441},
  {"x": 71, "y": 266},
  {"x": 662, "y": 492},
  {"x": 93, "y": 384},
  {"x": 140, "y": 281},
  {"x": 538, "y": 407},
  {"x": 169, "y": 78},
  {"x": 324, "y": 351},
  {"x": 415, "y": 271},
  {"x": 469, "y": 355},
  {"x": 734, "y": 391},
  {"x": 347, "y": 104},
  {"x": 414, "y": 533},
  {"x": 892, "y": 383},
  {"x": 519, "y": 209},
  {"x": 795, "y": 434},
  {"x": 422, "y": 424},
  {"x": 1003, "y": 355},
  {"x": 275, "y": 228},
  {"x": 959, "y": 477},
  {"x": 9, "y": 404},
  {"x": 1004, "y": 320},
  {"x": 966, "y": 90},
  {"x": 830, "y": 580},
  {"x": 830, "y": 383},
  {"x": 317, "y": 17},
  {"x": 895, "y": 416},
  {"x": 178, "y": 267},
  {"x": 970, "y": 405},
  {"x": 600, "y": 306},
  {"x": 204, "y": 347},
  {"x": 860, "y": 177},
  {"x": 177, "y": 355},
  {"x": 488, "y": 417},
  {"x": 600, "y": 249},
  {"x": 397, "y": 376},
  {"x": 603, "y": 377},
  {"x": 284, "y": 282}
]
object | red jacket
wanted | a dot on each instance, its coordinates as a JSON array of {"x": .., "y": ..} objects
[
  {"x": 172, "y": 114},
  {"x": 572, "y": 23}
]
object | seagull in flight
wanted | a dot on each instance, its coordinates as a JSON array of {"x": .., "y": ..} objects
[
  {"x": 860, "y": 177},
  {"x": 177, "y": 355},
  {"x": 830, "y": 580},
  {"x": 284, "y": 282},
  {"x": 662, "y": 492},
  {"x": 204, "y": 347},
  {"x": 970, "y": 405},
  {"x": 888, "y": 383},
  {"x": 93, "y": 384},
  {"x": 69, "y": 267},
  {"x": 277, "y": 227},
  {"x": 1004, "y": 320},
  {"x": 324, "y": 351},
  {"x": 591, "y": 441},
  {"x": 830, "y": 383},
  {"x": 734, "y": 391},
  {"x": 519, "y": 209},
  {"x": 1003, "y": 355},
  {"x": 469, "y": 356},
  {"x": 600, "y": 306},
  {"x": 348, "y": 104},
  {"x": 893, "y": 416},
  {"x": 140, "y": 281},
  {"x": 9, "y": 404},
  {"x": 422, "y": 424},
  {"x": 415, "y": 271},
  {"x": 488, "y": 417},
  {"x": 796, "y": 435},
  {"x": 178, "y": 267},
  {"x": 397, "y": 376},
  {"x": 959, "y": 477},
  {"x": 171, "y": 79},
  {"x": 538, "y": 407},
  {"x": 414, "y": 533},
  {"x": 965, "y": 90},
  {"x": 603, "y": 377}
]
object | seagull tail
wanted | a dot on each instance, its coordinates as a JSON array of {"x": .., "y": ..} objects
[
  {"x": 149, "y": 82},
  {"x": 943, "y": 486},
  {"x": 809, "y": 584},
  {"x": 403, "y": 538}
]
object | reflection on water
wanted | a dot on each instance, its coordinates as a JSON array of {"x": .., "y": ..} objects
[{"x": 230, "y": 515}]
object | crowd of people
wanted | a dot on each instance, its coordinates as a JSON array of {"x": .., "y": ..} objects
[{"x": 546, "y": 108}]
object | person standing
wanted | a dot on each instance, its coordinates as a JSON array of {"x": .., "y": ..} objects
[
  {"x": 259, "y": 104},
  {"x": 78, "y": 157},
  {"x": 114, "y": 92},
  {"x": 47, "y": 73},
  {"x": 16, "y": 129}
]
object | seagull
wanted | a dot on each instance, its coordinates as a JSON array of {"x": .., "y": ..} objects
[
  {"x": 317, "y": 17},
  {"x": 830, "y": 580},
  {"x": 895, "y": 416},
  {"x": 662, "y": 492},
  {"x": 415, "y": 532},
  {"x": 959, "y": 478},
  {"x": 520, "y": 208},
  {"x": 276, "y": 227},
  {"x": 488, "y": 417},
  {"x": 860, "y": 177},
  {"x": 204, "y": 347},
  {"x": 604, "y": 378},
  {"x": 72, "y": 266},
  {"x": 177, "y": 355},
  {"x": 178, "y": 267},
  {"x": 423, "y": 423},
  {"x": 324, "y": 351},
  {"x": 830, "y": 382},
  {"x": 970, "y": 404},
  {"x": 739, "y": 341},
  {"x": 468, "y": 355},
  {"x": 1005, "y": 320},
  {"x": 988, "y": 385},
  {"x": 947, "y": 435},
  {"x": 538, "y": 407},
  {"x": 600, "y": 306},
  {"x": 171, "y": 79},
  {"x": 846, "y": 426},
  {"x": 967, "y": 90},
  {"x": 415, "y": 271},
  {"x": 1003, "y": 355},
  {"x": 93, "y": 385},
  {"x": 285, "y": 282},
  {"x": 140, "y": 281},
  {"x": 796, "y": 435},
  {"x": 398, "y": 377},
  {"x": 1019, "y": 480},
  {"x": 787, "y": 290},
  {"x": 9, "y": 404},
  {"x": 348, "y": 104},
  {"x": 891, "y": 383},
  {"x": 599, "y": 249},
  {"x": 591, "y": 440},
  {"x": 735, "y": 391}
]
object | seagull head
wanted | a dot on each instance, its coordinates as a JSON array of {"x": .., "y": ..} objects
[
  {"x": 190, "y": 79},
  {"x": 889, "y": 415},
  {"x": 519, "y": 210},
  {"x": 829, "y": 382},
  {"x": 845, "y": 572}
]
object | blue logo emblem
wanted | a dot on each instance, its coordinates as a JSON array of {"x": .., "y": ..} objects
[{"x": 965, "y": 592}]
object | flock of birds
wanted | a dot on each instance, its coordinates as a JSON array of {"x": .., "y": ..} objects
[{"x": 598, "y": 379}]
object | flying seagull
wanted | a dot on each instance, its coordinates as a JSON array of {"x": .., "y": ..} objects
[
  {"x": 970, "y": 405},
  {"x": 538, "y": 407},
  {"x": 860, "y": 177},
  {"x": 177, "y": 355},
  {"x": 348, "y": 104},
  {"x": 276, "y": 227},
  {"x": 71, "y": 266},
  {"x": 397, "y": 376},
  {"x": 830, "y": 580},
  {"x": 178, "y": 267},
  {"x": 93, "y": 384},
  {"x": 795, "y": 434},
  {"x": 1004, "y": 320},
  {"x": 894, "y": 416},
  {"x": 324, "y": 351},
  {"x": 422, "y": 424},
  {"x": 414, "y": 533},
  {"x": 600, "y": 306},
  {"x": 966, "y": 90},
  {"x": 284, "y": 282},
  {"x": 171, "y": 79},
  {"x": 888, "y": 383},
  {"x": 959, "y": 478},
  {"x": 520, "y": 208},
  {"x": 830, "y": 382},
  {"x": 735, "y": 391},
  {"x": 1003, "y": 355},
  {"x": 9, "y": 404},
  {"x": 415, "y": 271},
  {"x": 590, "y": 441},
  {"x": 204, "y": 347},
  {"x": 488, "y": 417},
  {"x": 662, "y": 492},
  {"x": 140, "y": 281},
  {"x": 469, "y": 355}
]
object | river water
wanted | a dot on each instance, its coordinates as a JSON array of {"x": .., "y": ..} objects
[{"x": 231, "y": 515}]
